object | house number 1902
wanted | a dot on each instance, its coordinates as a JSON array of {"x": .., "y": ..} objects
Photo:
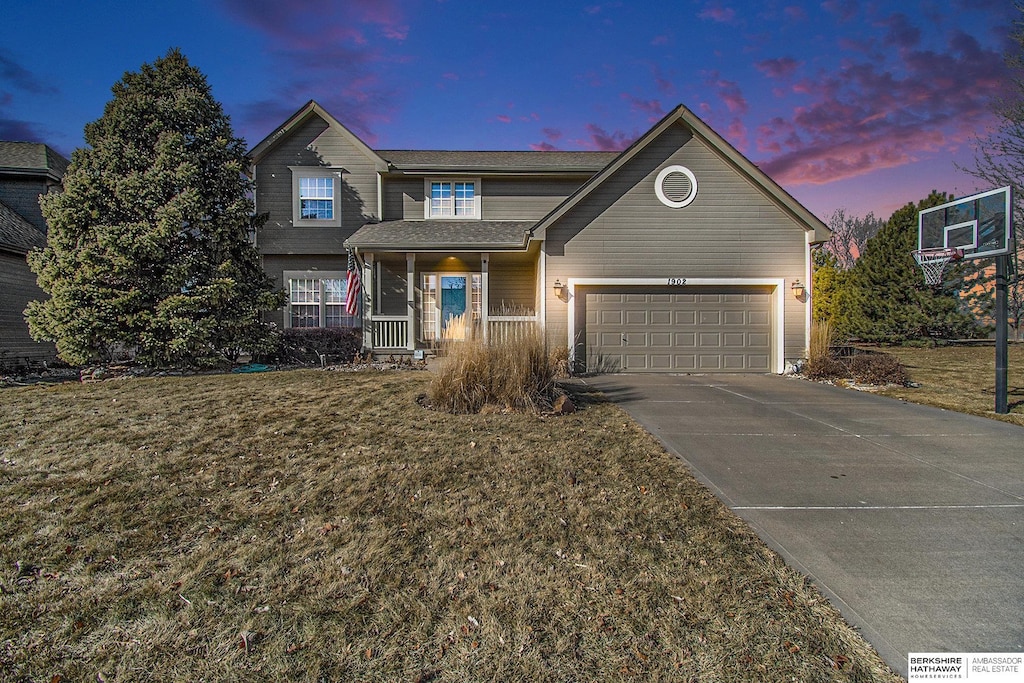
[{"x": 675, "y": 281}]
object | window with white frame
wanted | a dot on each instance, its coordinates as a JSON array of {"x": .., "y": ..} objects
[
  {"x": 317, "y": 299},
  {"x": 453, "y": 199},
  {"x": 315, "y": 195}
]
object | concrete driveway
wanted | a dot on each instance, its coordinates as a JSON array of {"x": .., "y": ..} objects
[{"x": 909, "y": 518}]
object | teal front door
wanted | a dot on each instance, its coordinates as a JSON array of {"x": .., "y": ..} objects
[{"x": 453, "y": 304}]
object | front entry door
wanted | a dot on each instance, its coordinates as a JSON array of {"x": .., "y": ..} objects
[{"x": 453, "y": 306}]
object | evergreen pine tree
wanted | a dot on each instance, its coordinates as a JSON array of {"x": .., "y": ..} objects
[
  {"x": 148, "y": 245},
  {"x": 890, "y": 300}
]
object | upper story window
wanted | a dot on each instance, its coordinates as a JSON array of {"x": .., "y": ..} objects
[
  {"x": 316, "y": 199},
  {"x": 453, "y": 199},
  {"x": 315, "y": 194}
]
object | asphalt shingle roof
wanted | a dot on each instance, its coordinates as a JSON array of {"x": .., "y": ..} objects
[
  {"x": 17, "y": 234},
  {"x": 425, "y": 235},
  {"x": 31, "y": 157},
  {"x": 478, "y": 161}
]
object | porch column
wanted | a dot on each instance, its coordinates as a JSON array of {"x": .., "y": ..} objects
[
  {"x": 368, "y": 307},
  {"x": 410, "y": 300},
  {"x": 485, "y": 257}
]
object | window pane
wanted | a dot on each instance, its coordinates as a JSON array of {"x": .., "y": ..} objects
[
  {"x": 316, "y": 198},
  {"x": 465, "y": 201},
  {"x": 305, "y": 316},
  {"x": 304, "y": 291},
  {"x": 334, "y": 291},
  {"x": 440, "y": 199}
]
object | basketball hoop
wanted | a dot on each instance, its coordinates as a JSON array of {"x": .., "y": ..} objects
[{"x": 934, "y": 262}]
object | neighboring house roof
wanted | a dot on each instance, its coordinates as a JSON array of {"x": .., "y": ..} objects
[
  {"x": 459, "y": 235},
  {"x": 306, "y": 111},
  {"x": 16, "y": 234},
  {"x": 482, "y": 162},
  {"x": 717, "y": 144},
  {"x": 31, "y": 158}
]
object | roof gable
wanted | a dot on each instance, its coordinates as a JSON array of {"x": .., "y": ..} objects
[
  {"x": 719, "y": 146},
  {"x": 308, "y": 110}
]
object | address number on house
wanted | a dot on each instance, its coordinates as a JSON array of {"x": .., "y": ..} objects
[{"x": 676, "y": 281}]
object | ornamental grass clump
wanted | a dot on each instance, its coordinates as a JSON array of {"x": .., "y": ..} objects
[{"x": 511, "y": 372}]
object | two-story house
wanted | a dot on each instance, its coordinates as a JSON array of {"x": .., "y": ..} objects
[
  {"x": 676, "y": 255},
  {"x": 27, "y": 170}
]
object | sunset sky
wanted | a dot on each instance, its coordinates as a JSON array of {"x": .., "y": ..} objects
[{"x": 845, "y": 103}]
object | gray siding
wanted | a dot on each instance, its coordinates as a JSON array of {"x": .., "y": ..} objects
[
  {"x": 18, "y": 285},
  {"x": 731, "y": 230},
  {"x": 22, "y": 195},
  {"x": 502, "y": 199},
  {"x": 512, "y": 280},
  {"x": 275, "y": 265},
  {"x": 314, "y": 143}
]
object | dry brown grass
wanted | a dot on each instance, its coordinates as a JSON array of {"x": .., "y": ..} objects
[
  {"x": 961, "y": 378},
  {"x": 322, "y": 526},
  {"x": 515, "y": 372}
]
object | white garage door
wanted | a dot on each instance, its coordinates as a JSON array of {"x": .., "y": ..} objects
[{"x": 643, "y": 329}]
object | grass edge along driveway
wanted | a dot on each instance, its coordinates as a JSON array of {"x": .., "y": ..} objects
[{"x": 316, "y": 525}]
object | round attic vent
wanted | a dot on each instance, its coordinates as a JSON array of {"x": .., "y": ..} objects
[{"x": 676, "y": 186}]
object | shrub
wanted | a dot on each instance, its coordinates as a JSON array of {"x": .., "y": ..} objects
[
  {"x": 866, "y": 367},
  {"x": 515, "y": 373},
  {"x": 309, "y": 344}
]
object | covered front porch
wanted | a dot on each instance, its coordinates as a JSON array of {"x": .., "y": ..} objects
[{"x": 413, "y": 298}]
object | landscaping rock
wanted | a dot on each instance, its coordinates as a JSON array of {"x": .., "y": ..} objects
[{"x": 563, "y": 405}]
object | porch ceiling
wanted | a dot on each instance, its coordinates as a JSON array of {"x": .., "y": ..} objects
[{"x": 435, "y": 235}]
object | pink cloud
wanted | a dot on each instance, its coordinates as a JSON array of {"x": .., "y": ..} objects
[
  {"x": 542, "y": 147},
  {"x": 650, "y": 108},
  {"x": 795, "y": 13},
  {"x": 722, "y": 15},
  {"x": 660, "y": 40},
  {"x": 503, "y": 118},
  {"x": 781, "y": 67},
  {"x": 337, "y": 64},
  {"x": 603, "y": 141},
  {"x": 871, "y": 115}
]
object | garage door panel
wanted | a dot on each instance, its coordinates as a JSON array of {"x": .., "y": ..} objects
[
  {"x": 728, "y": 330},
  {"x": 636, "y": 317}
]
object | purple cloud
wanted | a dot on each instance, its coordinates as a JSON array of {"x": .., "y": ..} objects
[
  {"x": 15, "y": 74},
  {"x": 722, "y": 15},
  {"x": 338, "y": 64},
  {"x": 781, "y": 67},
  {"x": 652, "y": 109},
  {"x": 603, "y": 141},
  {"x": 869, "y": 115}
]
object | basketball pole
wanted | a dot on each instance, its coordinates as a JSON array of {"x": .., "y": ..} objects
[{"x": 1002, "y": 353}]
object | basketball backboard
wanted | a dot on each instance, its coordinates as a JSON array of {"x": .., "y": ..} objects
[{"x": 979, "y": 225}]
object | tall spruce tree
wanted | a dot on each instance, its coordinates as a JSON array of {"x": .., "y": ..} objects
[
  {"x": 890, "y": 300},
  {"x": 148, "y": 246}
]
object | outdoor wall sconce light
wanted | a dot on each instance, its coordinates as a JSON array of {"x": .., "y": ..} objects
[
  {"x": 798, "y": 289},
  {"x": 559, "y": 289}
]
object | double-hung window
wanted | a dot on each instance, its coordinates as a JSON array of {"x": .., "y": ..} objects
[
  {"x": 317, "y": 299},
  {"x": 453, "y": 199},
  {"x": 315, "y": 194}
]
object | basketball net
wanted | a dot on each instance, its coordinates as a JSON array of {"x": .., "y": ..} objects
[{"x": 934, "y": 261}]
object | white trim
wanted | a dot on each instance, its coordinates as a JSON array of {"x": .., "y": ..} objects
[
  {"x": 660, "y": 190},
  {"x": 485, "y": 258},
  {"x": 299, "y": 172},
  {"x": 478, "y": 198},
  {"x": 778, "y": 302},
  {"x": 410, "y": 299},
  {"x": 808, "y": 294},
  {"x": 319, "y": 275},
  {"x": 542, "y": 292},
  {"x": 973, "y": 244}
]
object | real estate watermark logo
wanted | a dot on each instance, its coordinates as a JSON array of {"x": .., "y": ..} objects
[{"x": 978, "y": 667}]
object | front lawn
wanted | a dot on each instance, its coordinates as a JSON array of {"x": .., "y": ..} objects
[
  {"x": 960, "y": 378},
  {"x": 315, "y": 525}
]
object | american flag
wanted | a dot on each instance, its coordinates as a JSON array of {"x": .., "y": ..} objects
[{"x": 352, "y": 287}]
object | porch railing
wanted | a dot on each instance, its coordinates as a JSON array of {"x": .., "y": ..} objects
[
  {"x": 510, "y": 327},
  {"x": 390, "y": 332}
]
